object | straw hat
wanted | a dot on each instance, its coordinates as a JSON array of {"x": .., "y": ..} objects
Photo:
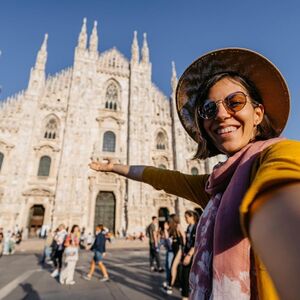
[{"x": 263, "y": 73}]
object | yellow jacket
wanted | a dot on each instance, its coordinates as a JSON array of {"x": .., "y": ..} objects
[{"x": 277, "y": 164}]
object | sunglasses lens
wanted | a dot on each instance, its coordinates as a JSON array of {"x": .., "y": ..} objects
[
  {"x": 208, "y": 109},
  {"x": 235, "y": 102}
]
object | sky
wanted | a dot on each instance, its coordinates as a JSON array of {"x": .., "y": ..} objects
[{"x": 177, "y": 30}]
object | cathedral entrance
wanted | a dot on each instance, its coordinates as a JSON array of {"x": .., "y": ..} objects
[
  {"x": 105, "y": 210},
  {"x": 36, "y": 219},
  {"x": 163, "y": 215}
]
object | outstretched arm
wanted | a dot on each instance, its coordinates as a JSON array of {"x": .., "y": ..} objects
[
  {"x": 173, "y": 182},
  {"x": 274, "y": 231}
]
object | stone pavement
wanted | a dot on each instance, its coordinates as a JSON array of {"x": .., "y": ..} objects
[{"x": 22, "y": 276}]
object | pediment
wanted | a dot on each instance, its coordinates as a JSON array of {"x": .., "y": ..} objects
[
  {"x": 38, "y": 191},
  {"x": 46, "y": 147}
]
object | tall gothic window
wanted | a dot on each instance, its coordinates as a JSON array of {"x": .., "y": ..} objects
[
  {"x": 194, "y": 171},
  {"x": 1, "y": 159},
  {"x": 44, "y": 166},
  {"x": 161, "y": 141},
  {"x": 109, "y": 142},
  {"x": 51, "y": 129},
  {"x": 111, "y": 97}
]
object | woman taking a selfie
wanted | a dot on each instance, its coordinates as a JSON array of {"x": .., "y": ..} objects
[{"x": 236, "y": 102}]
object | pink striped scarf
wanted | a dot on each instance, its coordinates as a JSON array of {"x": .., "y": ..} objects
[{"x": 221, "y": 267}]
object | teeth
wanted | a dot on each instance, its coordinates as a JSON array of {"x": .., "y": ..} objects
[{"x": 226, "y": 130}]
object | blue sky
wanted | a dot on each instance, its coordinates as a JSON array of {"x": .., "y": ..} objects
[{"x": 177, "y": 30}]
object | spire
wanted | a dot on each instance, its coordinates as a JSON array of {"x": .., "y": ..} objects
[
  {"x": 37, "y": 73},
  {"x": 145, "y": 50},
  {"x": 94, "y": 38},
  {"x": 174, "y": 79},
  {"x": 135, "y": 56},
  {"x": 41, "y": 58},
  {"x": 82, "y": 39}
]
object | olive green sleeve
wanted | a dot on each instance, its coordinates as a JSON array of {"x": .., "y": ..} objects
[{"x": 191, "y": 187}]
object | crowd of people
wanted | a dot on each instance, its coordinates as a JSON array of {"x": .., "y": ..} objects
[
  {"x": 62, "y": 251},
  {"x": 9, "y": 239},
  {"x": 179, "y": 250}
]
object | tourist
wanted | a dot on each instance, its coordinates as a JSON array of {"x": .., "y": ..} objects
[
  {"x": 154, "y": 250},
  {"x": 58, "y": 249},
  {"x": 177, "y": 241},
  {"x": 71, "y": 256},
  {"x": 191, "y": 218},
  {"x": 236, "y": 102},
  {"x": 99, "y": 249}
]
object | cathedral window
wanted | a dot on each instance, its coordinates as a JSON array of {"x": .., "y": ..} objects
[
  {"x": 51, "y": 129},
  {"x": 44, "y": 166},
  {"x": 194, "y": 171},
  {"x": 111, "y": 96},
  {"x": 109, "y": 142},
  {"x": 161, "y": 141},
  {"x": 1, "y": 159}
]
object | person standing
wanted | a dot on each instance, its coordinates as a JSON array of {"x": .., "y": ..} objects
[
  {"x": 71, "y": 252},
  {"x": 99, "y": 250},
  {"x": 46, "y": 258},
  {"x": 59, "y": 239},
  {"x": 177, "y": 240},
  {"x": 191, "y": 217},
  {"x": 153, "y": 234}
]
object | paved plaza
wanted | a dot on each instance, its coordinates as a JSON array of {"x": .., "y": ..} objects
[{"x": 22, "y": 277}]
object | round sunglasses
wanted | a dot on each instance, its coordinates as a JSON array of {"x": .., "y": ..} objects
[{"x": 233, "y": 103}]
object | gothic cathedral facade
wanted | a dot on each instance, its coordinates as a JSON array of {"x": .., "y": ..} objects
[{"x": 103, "y": 106}]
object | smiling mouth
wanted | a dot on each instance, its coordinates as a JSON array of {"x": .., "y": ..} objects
[{"x": 225, "y": 130}]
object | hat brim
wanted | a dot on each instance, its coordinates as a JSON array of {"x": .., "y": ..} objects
[{"x": 263, "y": 73}]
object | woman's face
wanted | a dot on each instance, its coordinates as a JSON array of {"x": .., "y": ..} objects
[{"x": 231, "y": 132}]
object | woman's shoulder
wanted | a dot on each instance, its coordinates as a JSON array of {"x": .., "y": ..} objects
[{"x": 284, "y": 147}]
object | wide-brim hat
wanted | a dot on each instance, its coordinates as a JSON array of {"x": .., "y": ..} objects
[{"x": 263, "y": 73}]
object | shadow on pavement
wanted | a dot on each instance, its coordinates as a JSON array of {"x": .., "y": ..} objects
[{"x": 31, "y": 294}]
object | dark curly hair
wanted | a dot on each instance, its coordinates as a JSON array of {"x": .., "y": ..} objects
[{"x": 206, "y": 148}]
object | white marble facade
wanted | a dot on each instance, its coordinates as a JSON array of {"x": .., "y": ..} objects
[{"x": 103, "y": 106}]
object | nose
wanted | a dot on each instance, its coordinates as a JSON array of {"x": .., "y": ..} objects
[{"x": 222, "y": 113}]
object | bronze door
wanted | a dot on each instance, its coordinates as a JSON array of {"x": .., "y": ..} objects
[
  {"x": 36, "y": 219},
  {"x": 105, "y": 210}
]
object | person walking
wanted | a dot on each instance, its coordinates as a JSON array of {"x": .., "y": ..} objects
[
  {"x": 71, "y": 256},
  {"x": 235, "y": 102},
  {"x": 99, "y": 250},
  {"x": 154, "y": 251},
  {"x": 58, "y": 249}
]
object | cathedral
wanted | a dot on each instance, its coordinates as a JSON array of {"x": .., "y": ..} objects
[{"x": 104, "y": 105}]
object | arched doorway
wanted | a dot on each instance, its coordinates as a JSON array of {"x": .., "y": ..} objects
[
  {"x": 36, "y": 219},
  {"x": 105, "y": 210},
  {"x": 163, "y": 215}
]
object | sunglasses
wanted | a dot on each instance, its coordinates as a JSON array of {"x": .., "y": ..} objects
[{"x": 233, "y": 103}]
